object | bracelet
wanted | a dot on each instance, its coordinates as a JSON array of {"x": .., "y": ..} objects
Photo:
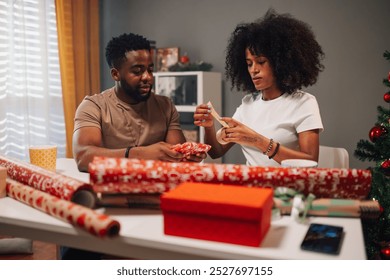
[
  {"x": 269, "y": 148},
  {"x": 128, "y": 151},
  {"x": 275, "y": 152}
]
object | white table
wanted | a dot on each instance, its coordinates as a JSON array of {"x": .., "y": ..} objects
[{"x": 141, "y": 235}]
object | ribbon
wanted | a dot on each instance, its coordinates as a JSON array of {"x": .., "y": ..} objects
[{"x": 299, "y": 206}]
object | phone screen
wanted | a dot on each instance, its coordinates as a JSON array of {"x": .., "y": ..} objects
[{"x": 323, "y": 238}]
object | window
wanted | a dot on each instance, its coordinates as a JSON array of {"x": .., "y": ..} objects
[{"x": 31, "y": 111}]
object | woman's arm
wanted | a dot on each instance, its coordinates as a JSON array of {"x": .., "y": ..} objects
[{"x": 243, "y": 135}]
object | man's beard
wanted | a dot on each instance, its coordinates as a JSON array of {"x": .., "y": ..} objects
[{"x": 134, "y": 93}]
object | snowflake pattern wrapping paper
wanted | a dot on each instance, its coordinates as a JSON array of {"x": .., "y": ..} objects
[
  {"x": 120, "y": 175},
  {"x": 97, "y": 224}
]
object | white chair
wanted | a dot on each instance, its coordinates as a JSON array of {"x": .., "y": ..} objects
[{"x": 331, "y": 157}]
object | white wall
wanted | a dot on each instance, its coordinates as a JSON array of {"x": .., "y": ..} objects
[{"x": 353, "y": 33}]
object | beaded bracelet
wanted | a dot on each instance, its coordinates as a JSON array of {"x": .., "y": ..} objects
[
  {"x": 269, "y": 148},
  {"x": 128, "y": 151},
  {"x": 275, "y": 152}
]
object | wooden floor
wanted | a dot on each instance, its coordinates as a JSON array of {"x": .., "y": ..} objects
[{"x": 42, "y": 251}]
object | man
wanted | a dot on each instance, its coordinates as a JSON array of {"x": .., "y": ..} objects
[{"x": 128, "y": 120}]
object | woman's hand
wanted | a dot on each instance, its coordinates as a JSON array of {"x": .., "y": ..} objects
[
  {"x": 239, "y": 133},
  {"x": 202, "y": 116}
]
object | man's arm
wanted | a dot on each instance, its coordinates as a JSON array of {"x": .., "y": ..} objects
[
  {"x": 175, "y": 136},
  {"x": 87, "y": 143}
]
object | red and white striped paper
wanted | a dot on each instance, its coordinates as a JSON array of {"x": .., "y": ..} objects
[
  {"x": 97, "y": 224},
  {"x": 120, "y": 175}
]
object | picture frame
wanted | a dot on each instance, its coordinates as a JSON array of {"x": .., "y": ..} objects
[{"x": 167, "y": 57}]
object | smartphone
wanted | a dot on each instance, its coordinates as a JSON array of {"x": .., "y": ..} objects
[{"x": 323, "y": 239}]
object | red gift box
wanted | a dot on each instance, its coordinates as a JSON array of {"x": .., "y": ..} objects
[{"x": 223, "y": 213}]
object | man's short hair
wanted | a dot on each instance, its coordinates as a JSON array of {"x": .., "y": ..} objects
[{"x": 118, "y": 47}]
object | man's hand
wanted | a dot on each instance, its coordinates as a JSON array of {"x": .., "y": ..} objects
[
  {"x": 192, "y": 151},
  {"x": 159, "y": 151}
]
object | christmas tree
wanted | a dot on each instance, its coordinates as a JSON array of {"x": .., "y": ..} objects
[{"x": 377, "y": 150}]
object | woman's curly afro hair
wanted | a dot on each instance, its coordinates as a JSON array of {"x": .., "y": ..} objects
[
  {"x": 118, "y": 47},
  {"x": 289, "y": 44}
]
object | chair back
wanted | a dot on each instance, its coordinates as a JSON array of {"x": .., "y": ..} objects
[{"x": 331, "y": 157}]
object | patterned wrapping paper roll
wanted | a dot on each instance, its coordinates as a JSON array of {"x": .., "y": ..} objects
[
  {"x": 58, "y": 185},
  {"x": 97, "y": 224},
  {"x": 330, "y": 207},
  {"x": 120, "y": 175}
]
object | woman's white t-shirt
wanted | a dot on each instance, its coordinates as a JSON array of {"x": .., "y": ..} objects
[{"x": 280, "y": 119}]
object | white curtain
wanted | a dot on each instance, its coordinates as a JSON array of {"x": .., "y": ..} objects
[{"x": 31, "y": 111}]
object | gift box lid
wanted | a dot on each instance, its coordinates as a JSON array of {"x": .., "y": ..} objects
[{"x": 235, "y": 202}]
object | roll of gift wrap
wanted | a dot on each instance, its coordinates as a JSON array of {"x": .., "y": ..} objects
[
  {"x": 335, "y": 208},
  {"x": 134, "y": 175},
  {"x": 58, "y": 185},
  {"x": 85, "y": 218}
]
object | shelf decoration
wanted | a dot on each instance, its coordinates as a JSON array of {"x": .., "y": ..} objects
[
  {"x": 167, "y": 57},
  {"x": 198, "y": 66}
]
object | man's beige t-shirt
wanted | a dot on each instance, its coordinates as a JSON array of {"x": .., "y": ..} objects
[{"x": 124, "y": 125}]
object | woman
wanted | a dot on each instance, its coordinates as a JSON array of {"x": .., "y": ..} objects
[{"x": 271, "y": 59}]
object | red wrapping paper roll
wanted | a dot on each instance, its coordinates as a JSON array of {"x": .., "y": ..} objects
[
  {"x": 97, "y": 224},
  {"x": 120, "y": 175},
  {"x": 58, "y": 185}
]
